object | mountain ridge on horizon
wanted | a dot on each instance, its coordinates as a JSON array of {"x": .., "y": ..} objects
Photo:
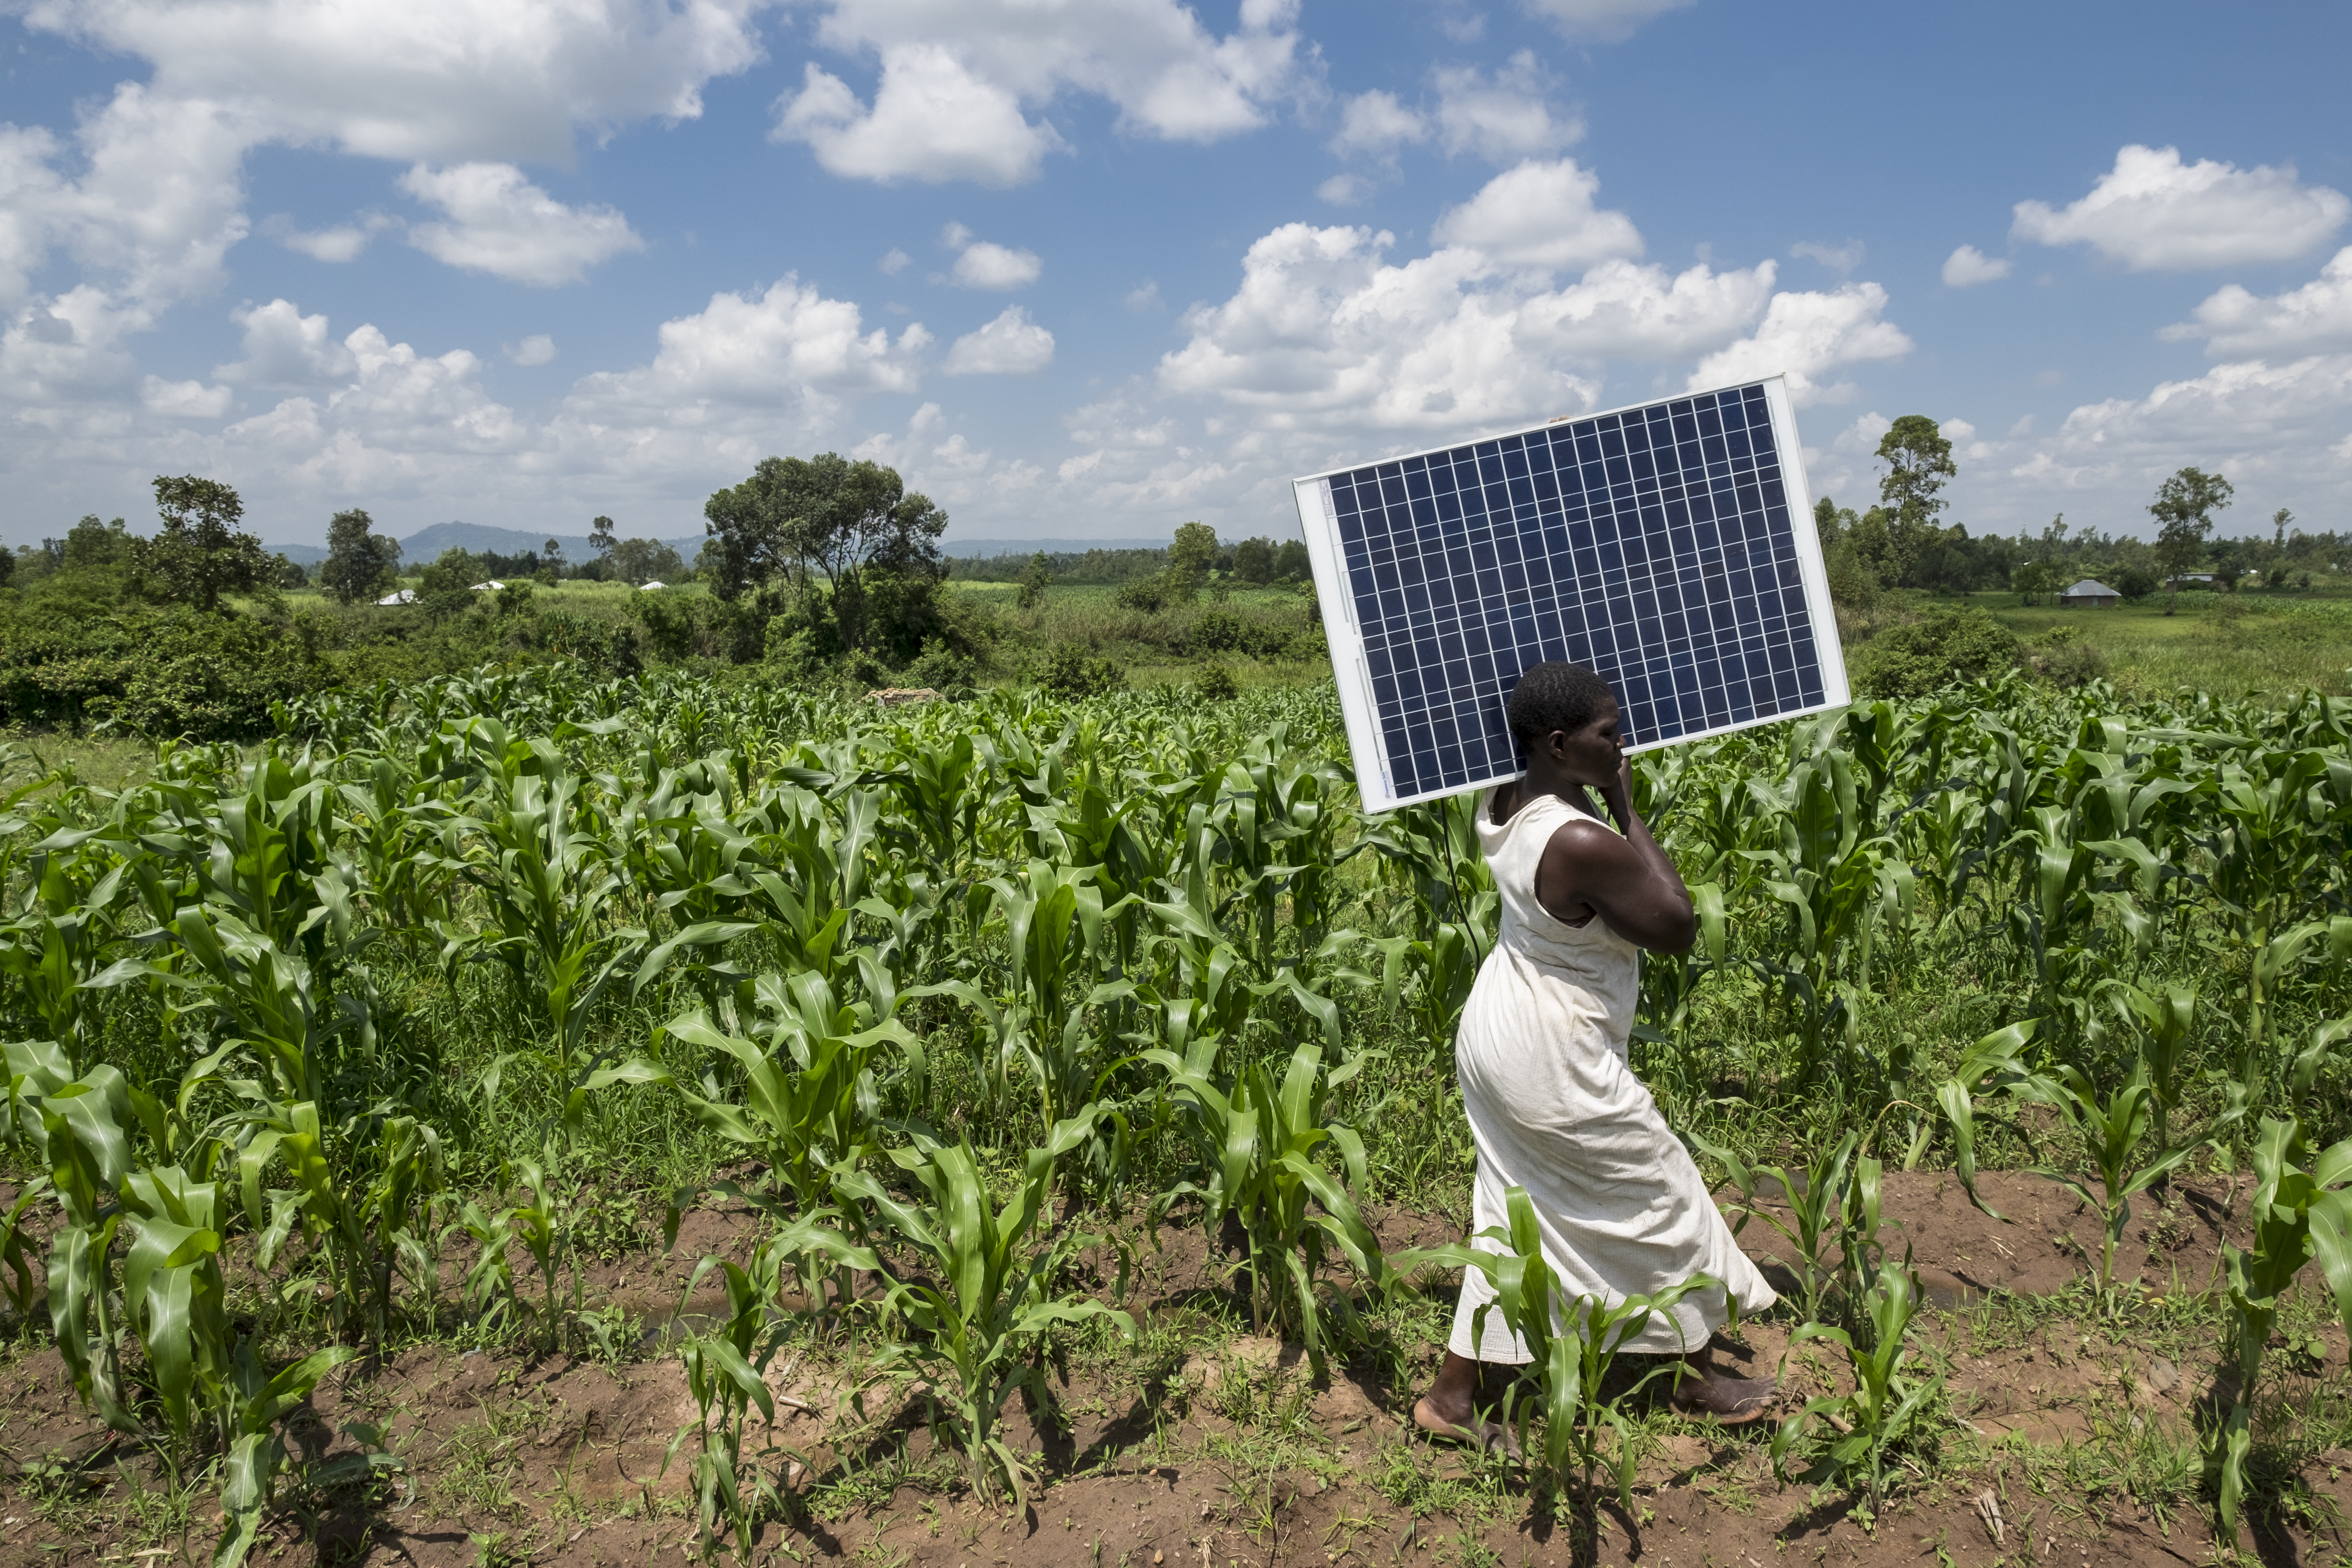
[{"x": 427, "y": 543}]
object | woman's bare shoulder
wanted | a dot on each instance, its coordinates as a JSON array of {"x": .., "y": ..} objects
[{"x": 1583, "y": 836}]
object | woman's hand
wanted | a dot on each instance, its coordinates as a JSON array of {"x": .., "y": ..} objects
[{"x": 1618, "y": 795}]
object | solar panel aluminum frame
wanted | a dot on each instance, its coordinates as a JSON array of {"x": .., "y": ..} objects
[{"x": 1359, "y": 707}]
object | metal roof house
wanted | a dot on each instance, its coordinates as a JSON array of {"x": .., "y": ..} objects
[{"x": 2090, "y": 594}]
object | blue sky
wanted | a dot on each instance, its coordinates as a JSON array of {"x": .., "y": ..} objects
[{"x": 1088, "y": 269}]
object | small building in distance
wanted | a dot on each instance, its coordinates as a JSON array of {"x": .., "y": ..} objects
[{"x": 2090, "y": 594}]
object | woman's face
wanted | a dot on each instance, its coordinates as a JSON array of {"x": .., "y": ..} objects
[{"x": 1589, "y": 755}]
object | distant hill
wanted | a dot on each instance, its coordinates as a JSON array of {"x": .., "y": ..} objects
[
  {"x": 986, "y": 547},
  {"x": 426, "y": 545}
]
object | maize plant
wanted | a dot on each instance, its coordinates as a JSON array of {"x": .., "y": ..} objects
[
  {"x": 975, "y": 1318},
  {"x": 2298, "y": 1215},
  {"x": 1256, "y": 1145},
  {"x": 1886, "y": 1406}
]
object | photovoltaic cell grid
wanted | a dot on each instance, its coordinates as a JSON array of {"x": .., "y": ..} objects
[{"x": 1668, "y": 547}]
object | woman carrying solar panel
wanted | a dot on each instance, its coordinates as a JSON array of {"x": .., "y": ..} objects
[{"x": 1541, "y": 1055}]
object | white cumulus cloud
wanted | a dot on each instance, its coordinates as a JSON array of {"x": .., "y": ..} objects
[
  {"x": 156, "y": 197},
  {"x": 1324, "y": 333},
  {"x": 1540, "y": 215},
  {"x": 984, "y": 264},
  {"x": 1012, "y": 344},
  {"x": 1605, "y": 21},
  {"x": 1345, "y": 190},
  {"x": 338, "y": 244},
  {"x": 1502, "y": 117},
  {"x": 1807, "y": 336},
  {"x": 2263, "y": 424},
  {"x": 932, "y": 119},
  {"x": 431, "y": 80},
  {"x": 2154, "y": 212},
  {"x": 154, "y": 211},
  {"x": 2314, "y": 318},
  {"x": 1967, "y": 267},
  {"x": 958, "y": 83},
  {"x": 1376, "y": 125},
  {"x": 787, "y": 346},
  {"x": 1621, "y": 310},
  {"x": 505, "y": 225},
  {"x": 185, "y": 399},
  {"x": 283, "y": 347}
]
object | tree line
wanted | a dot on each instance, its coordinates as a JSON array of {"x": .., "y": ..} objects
[{"x": 1906, "y": 542}]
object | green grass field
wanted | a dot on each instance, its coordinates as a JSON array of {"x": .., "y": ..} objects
[
  {"x": 1157, "y": 649},
  {"x": 2250, "y": 643}
]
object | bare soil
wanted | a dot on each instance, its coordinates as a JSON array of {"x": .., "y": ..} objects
[{"x": 1203, "y": 1450}]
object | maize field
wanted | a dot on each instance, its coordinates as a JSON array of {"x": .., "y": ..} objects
[{"x": 894, "y": 1052}]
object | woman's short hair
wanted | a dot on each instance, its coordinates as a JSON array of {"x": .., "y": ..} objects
[{"x": 1556, "y": 695}]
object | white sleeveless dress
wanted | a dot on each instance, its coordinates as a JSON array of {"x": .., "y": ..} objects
[{"x": 1554, "y": 1108}]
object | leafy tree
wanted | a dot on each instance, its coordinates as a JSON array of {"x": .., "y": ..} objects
[
  {"x": 445, "y": 588},
  {"x": 2279, "y": 519},
  {"x": 360, "y": 564},
  {"x": 834, "y": 531},
  {"x": 1290, "y": 561},
  {"x": 199, "y": 554},
  {"x": 551, "y": 556},
  {"x": 1919, "y": 463},
  {"x": 599, "y": 536},
  {"x": 2183, "y": 510},
  {"x": 2135, "y": 583},
  {"x": 94, "y": 543},
  {"x": 7, "y": 566},
  {"x": 2031, "y": 580},
  {"x": 1034, "y": 583},
  {"x": 291, "y": 573},
  {"x": 1254, "y": 560},
  {"x": 2229, "y": 564},
  {"x": 1190, "y": 560},
  {"x": 639, "y": 560}
]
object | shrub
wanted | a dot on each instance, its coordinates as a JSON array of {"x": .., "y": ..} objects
[
  {"x": 794, "y": 657},
  {"x": 1071, "y": 671},
  {"x": 1222, "y": 631},
  {"x": 1216, "y": 683},
  {"x": 2066, "y": 659},
  {"x": 1939, "y": 647},
  {"x": 668, "y": 620},
  {"x": 1148, "y": 595},
  {"x": 2137, "y": 583},
  {"x": 181, "y": 673},
  {"x": 941, "y": 667}
]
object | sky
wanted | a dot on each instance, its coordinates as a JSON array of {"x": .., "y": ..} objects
[{"x": 1087, "y": 269}]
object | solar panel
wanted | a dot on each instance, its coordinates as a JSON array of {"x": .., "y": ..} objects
[{"x": 1669, "y": 547}]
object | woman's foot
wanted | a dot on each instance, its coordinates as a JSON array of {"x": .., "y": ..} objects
[
  {"x": 1700, "y": 1390},
  {"x": 1450, "y": 1409}
]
